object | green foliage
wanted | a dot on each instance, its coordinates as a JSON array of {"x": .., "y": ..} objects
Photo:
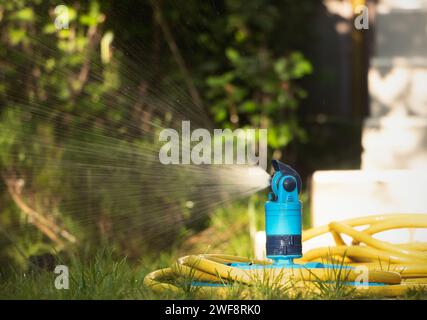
[
  {"x": 256, "y": 85},
  {"x": 41, "y": 72},
  {"x": 259, "y": 89},
  {"x": 53, "y": 102}
]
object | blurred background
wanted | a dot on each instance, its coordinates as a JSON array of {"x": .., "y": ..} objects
[{"x": 85, "y": 87}]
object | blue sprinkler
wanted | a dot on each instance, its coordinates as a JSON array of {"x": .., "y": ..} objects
[
  {"x": 283, "y": 228},
  {"x": 283, "y": 212},
  {"x": 283, "y": 216}
]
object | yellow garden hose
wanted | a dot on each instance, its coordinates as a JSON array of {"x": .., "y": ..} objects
[{"x": 395, "y": 267}]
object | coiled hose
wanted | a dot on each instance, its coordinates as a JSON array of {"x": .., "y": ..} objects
[{"x": 391, "y": 269}]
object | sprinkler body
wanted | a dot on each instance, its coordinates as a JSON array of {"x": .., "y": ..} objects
[{"x": 283, "y": 215}]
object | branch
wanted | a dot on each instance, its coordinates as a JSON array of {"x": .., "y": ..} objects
[
  {"x": 176, "y": 53},
  {"x": 83, "y": 74},
  {"x": 50, "y": 229}
]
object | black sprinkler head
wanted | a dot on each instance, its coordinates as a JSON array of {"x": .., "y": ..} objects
[
  {"x": 287, "y": 170},
  {"x": 289, "y": 184}
]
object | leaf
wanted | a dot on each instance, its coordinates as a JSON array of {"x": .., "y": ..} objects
[
  {"x": 301, "y": 65},
  {"x": 220, "y": 115},
  {"x": 248, "y": 106},
  {"x": 278, "y": 137},
  {"x": 106, "y": 41},
  {"x": 232, "y": 55},
  {"x": 17, "y": 36},
  {"x": 238, "y": 93},
  {"x": 220, "y": 81},
  {"x": 49, "y": 28},
  {"x": 280, "y": 66},
  {"x": 25, "y": 14},
  {"x": 93, "y": 17},
  {"x": 50, "y": 64}
]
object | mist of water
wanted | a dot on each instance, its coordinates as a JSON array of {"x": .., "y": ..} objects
[{"x": 84, "y": 171}]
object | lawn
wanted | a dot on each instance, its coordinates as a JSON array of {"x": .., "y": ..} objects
[{"x": 107, "y": 274}]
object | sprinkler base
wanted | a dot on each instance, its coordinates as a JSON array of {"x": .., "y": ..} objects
[{"x": 289, "y": 265}]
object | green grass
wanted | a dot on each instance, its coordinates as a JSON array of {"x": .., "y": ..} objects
[{"x": 108, "y": 275}]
